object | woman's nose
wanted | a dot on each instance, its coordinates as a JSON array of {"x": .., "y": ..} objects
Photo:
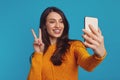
[{"x": 57, "y": 24}]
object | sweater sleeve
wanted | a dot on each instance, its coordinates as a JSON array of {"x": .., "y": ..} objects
[
  {"x": 36, "y": 65},
  {"x": 84, "y": 59}
]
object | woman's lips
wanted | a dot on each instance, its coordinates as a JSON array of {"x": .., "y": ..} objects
[{"x": 57, "y": 31}]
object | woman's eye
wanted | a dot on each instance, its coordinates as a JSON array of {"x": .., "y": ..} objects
[
  {"x": 61, "y": 21},
  {"x": 51, "y": 22}
]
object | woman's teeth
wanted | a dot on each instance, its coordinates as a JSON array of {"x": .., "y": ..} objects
[{"x": 57, "y": 31}]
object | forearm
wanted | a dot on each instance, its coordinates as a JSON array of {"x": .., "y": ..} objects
[
  {"x": 92, "y": 62},
  {"x": 36, "y": 65}
]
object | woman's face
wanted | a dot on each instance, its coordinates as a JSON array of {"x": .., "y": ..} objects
[{"x": 54, "y": 25}]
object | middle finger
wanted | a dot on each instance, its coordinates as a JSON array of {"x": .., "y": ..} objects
[{"x": 40, "y": 34}]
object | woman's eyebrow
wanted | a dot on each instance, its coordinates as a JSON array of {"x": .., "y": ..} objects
[
  {"x": 51, "y": 19},
  {"x": 54, "y": 19}
]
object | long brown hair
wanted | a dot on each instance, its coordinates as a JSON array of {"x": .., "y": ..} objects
[{"x": 62, "y": 42}]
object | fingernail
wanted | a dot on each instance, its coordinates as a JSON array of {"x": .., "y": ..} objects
[{"x": 89, "y": 25}]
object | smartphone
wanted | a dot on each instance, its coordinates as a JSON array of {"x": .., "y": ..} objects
[{"x": 91, "y": 20}]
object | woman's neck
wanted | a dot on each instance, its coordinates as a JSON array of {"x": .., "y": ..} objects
[{"x": 53, "y": 40}]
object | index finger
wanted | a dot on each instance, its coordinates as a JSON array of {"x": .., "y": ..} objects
[
  {"x": 34, "y": 34},
  {"x": 94, "y": 31}
]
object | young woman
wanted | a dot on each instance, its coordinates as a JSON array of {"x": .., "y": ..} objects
[{"x": 55, "y": 56}]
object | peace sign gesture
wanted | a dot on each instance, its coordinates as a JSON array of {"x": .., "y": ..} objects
[{"x": 38, "y": 44}]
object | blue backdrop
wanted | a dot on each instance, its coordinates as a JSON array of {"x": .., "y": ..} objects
[{"x": 17, "y": 17}]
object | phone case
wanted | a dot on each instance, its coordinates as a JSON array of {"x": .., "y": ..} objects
[{"x": 91, "y": 20}]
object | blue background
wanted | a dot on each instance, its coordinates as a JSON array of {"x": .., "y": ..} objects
[{"x": 17, "y": 17}]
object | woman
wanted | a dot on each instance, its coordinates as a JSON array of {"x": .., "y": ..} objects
[{"x": 55, "y": 56}]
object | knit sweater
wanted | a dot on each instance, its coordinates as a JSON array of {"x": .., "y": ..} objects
[{"x": 43, "y": 69}]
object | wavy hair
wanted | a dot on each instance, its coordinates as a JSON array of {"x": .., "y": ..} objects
[{"x": 62, "y": 42}]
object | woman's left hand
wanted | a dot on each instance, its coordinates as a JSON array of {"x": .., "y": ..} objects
[{"x": 94, "y": 40}]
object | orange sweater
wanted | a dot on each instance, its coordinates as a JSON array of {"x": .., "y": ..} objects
[{"x": 43, "y": 69}]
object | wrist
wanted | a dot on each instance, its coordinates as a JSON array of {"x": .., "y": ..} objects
[{"x": 100, "y": 55}]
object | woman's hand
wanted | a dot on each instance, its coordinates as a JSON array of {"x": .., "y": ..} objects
[
  {"x": 38, "y": 44},
  {"x": 94, "y": 40}
]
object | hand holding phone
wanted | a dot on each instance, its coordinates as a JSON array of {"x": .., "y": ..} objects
[{"x": 93, "y": 37}]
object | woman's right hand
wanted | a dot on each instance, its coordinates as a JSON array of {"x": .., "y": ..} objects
[{"x": 38, "y": 44}]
